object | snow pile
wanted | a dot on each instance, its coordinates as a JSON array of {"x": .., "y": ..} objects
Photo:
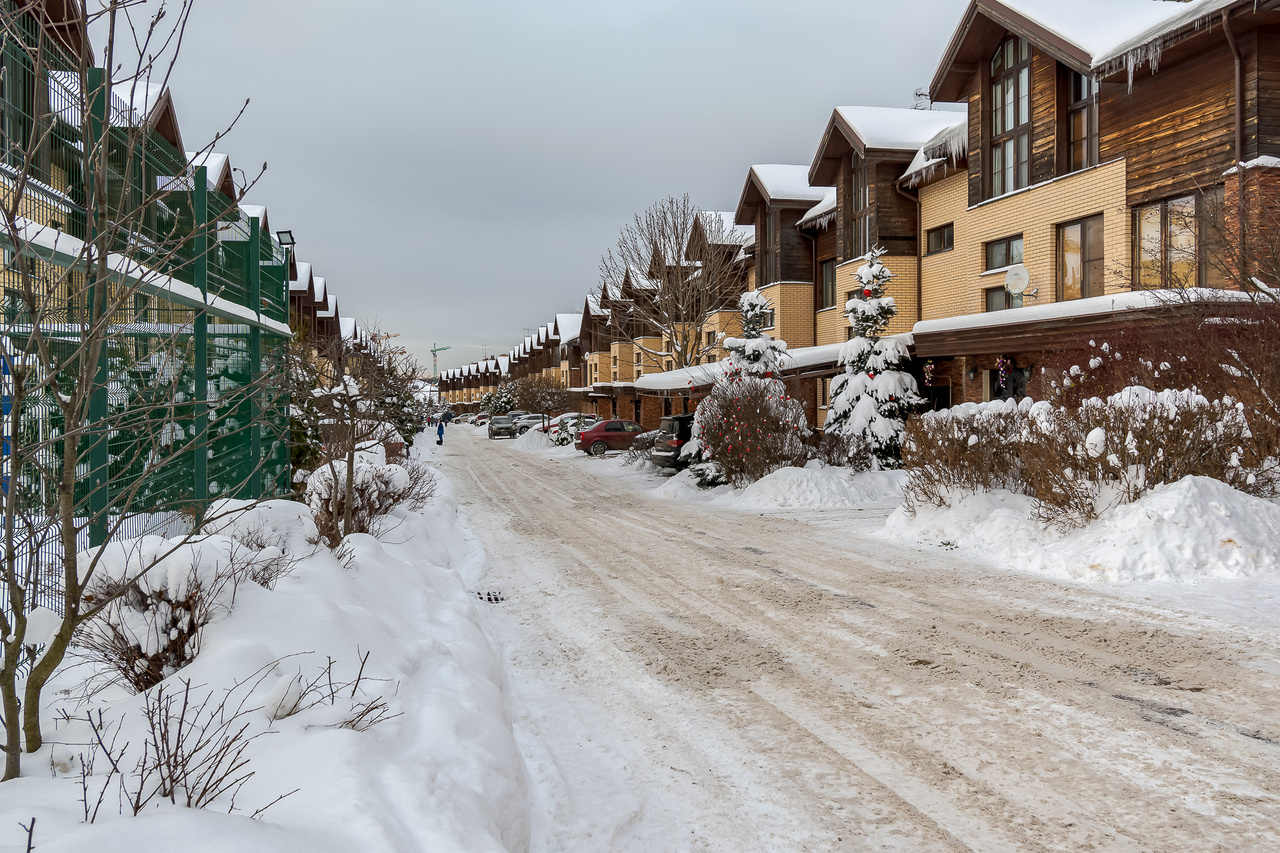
[
  {"x": 815, "y": 486},
  {"x": 820, "y": 487},
  {"x": 534, "y": 439},
  {"x": 396, "y": 626},
  {"x": 1195, "y": 528},
  {"x": 286, "y": 525}
]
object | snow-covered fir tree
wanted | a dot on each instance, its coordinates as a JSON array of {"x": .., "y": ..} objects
[
  {"x": 498, "y": 401},
  {"x": 874, "y": 396},
  {"x": 755, "y": 353},
  {"x": 748, "y": 426}
]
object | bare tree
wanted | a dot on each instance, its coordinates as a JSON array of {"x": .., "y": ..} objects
[
  {"x": 672, "y": 268},
  {"x": 111, "y": 415}
]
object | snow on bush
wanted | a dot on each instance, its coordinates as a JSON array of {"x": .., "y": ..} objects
[
  {"x": 375, "y": 488},
  {"x": 1078, "y": 462}
]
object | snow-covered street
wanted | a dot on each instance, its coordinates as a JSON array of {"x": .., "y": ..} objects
[{"x": 687, "y": 677}]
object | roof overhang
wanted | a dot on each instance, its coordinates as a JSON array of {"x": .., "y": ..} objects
[{"x": 980, "y": 31}]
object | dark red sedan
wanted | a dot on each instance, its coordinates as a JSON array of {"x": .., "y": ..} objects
[{"x": 608, "y": 435}]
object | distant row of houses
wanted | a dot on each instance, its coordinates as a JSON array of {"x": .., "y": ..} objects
[{"x": 1101, "y": 152}]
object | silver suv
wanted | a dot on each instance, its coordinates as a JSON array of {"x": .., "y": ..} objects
[{"x": 500, "y": 425}]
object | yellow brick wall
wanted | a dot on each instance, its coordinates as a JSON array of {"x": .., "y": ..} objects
[
  {"x": 648, "y": 363},
  {"x": 953, "y": 283},
  {"x": 625, "y": 371},
  {"x": 902, "y": 287},
  {"x": 831, "y": 325},
  {"x": 597, "y": 368},
  {"x": 792, "y": 303}
]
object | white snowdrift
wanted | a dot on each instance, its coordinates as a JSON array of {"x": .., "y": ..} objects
[
  {"x": 814, "y": 487},
  {"x": 444, "y": 775},
  {"x": 1196, "y": 528}
]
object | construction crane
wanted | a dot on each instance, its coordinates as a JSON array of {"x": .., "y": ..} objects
[{"x": 435, "y": 370}]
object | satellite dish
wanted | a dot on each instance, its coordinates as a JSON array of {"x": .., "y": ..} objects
[{"x": 1017, "y": 279}]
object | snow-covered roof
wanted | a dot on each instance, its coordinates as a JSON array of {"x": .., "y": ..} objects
[
  {"x": 347, "y": 328},
  {"x": 252, "y": 210},
  {"x": 569, "y": 326},
  {"x": 319, "y": 289},
  {"x": 331, "y": 307},
  {"x": 895, "y": 128},
  {"x": 951, "y": 144},
  {"x": 1103, "y": 36},
  {"x": 303, "y": 281},
  {"x": 1266, "y": 161},
  {"x": 215, "y": 163},
  {"x": 821, "y": 214},
  {"x": 1092, "y": 306},
  {"x": 786, "y": 183}
]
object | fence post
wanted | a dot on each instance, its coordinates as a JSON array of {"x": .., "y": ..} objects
[
  {"x": 99, "y": 458},
  {"x": 256, "y": 468},
  {"x": 200, "y": 215}
]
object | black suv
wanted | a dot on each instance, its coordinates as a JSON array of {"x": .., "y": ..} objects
[{"x": 673, "y": 432}]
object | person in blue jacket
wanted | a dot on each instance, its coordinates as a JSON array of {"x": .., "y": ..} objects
[{"x": 440, "y": 433}]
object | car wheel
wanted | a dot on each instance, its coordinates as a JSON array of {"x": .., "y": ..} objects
[{"x": 599, "y": 448}]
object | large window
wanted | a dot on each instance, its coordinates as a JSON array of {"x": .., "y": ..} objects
[
  {"x": 1177, "y": 242},
  {"x": 1010, "y": 116},
  {"x": 770, "y": 250},
  {"x": 827, "y": 281},
  {"x": 1004, "y": 253},
  {"x": 857, "y": 218},
  {"x": 1082, "y": 121},
  {"x": 940, "y": 239},
  {"x": 1080, "y": 265}
]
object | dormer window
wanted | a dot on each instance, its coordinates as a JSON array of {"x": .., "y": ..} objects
[
  {"x": 1010, "y": 116},
  {"x": 1082, "y": 121}
]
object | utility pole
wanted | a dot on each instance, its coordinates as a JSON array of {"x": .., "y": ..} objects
[{"x": 435, "y": 370}]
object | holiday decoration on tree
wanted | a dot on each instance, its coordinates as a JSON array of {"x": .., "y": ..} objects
[
  {"x": 873, "y": 397},
  {"x": 748, "y": 426},
  {"x": 755, "y": 353}
]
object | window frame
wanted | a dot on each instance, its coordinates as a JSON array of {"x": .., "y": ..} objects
[
  {"x": 1088, "y": 287},
  {"x": 989, "y": 292},
  {"x": 1010, "y": 65},
  {"x": 1008, "y": 243},
  {"x": 826, "y": 284},
  {"x": 948, "y": 242},
  {"x": 1086, "y": 106},
  {"x": 1202, "y": 240}
]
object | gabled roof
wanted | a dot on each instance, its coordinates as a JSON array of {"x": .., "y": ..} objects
[
  {"x": 303, "y": 282},
  {"x": 722, "y": 221},
  {"x": 218, "y": 171},
  {"x": 775, "y": 184},
  {"x": 568, "y": 327},
  {"x": 347, "y": 328},
  {"x": 319, "y": 289},
  {"x": 330, "y": 311},
  {"x": 1092, "y": 36},
  {"x": 875, "y": 131},
  {"x": 258, "y": 210}
]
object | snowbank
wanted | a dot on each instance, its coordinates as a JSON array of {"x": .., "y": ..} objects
[
  {"x": 442, "y": 772},
  {"x": 1196, "y": 528},
  {"x": 813, "y": 487}
]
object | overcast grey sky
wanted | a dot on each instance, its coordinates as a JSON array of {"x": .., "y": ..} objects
[{"x": 456, "y": 170}]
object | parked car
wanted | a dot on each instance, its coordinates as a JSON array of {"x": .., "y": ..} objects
[
  {"x": 528, "y": 422},
  {"x": 673, "y": 432},
  {"x": 516, "y": 414},
  {"x": 465, "y": 419},
  {"x": 480, "y": 420},
  {"x": 500, "y": 425},
  {"x": 576, "y": 421},
  {"x": 608, "y": 435}
]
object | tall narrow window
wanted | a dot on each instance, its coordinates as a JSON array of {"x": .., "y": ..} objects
[
  {"x": 1082, "y": 122},
  {"x": 827, "y": 278},
  {"x": 770, "y": 250},
  {"x": 1080, "y": 265},
  {"x": 1010, "y": 116},
  {"x": 859, "y": 210}
]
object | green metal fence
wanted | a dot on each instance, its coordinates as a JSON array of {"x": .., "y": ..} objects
[{"x": 190, "y": 299}]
